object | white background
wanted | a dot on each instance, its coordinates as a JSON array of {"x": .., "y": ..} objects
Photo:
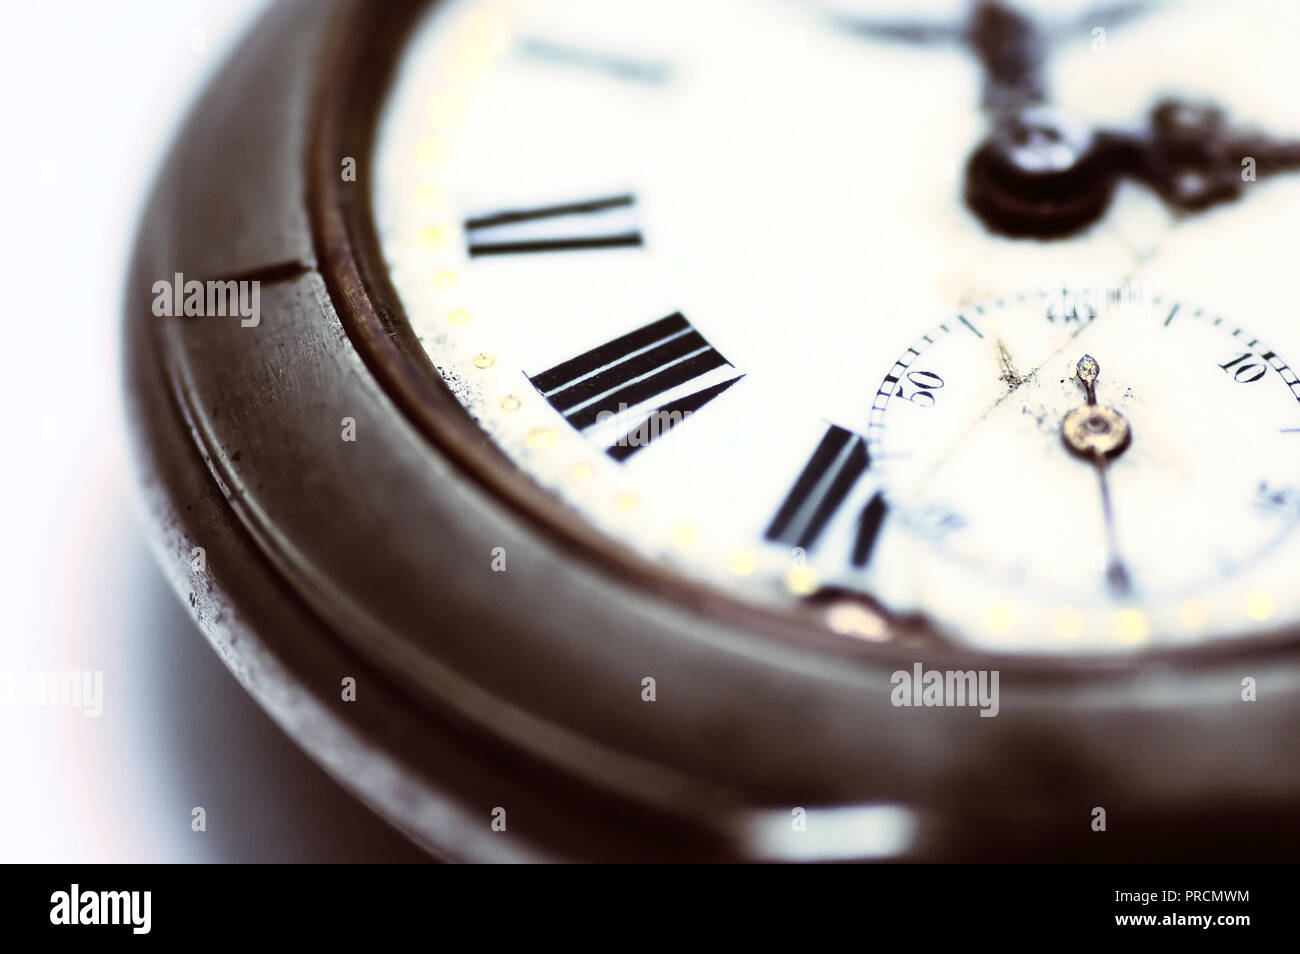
[{"x": 94, "y": 91}]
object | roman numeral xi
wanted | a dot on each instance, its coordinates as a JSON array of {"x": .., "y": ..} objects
[
  {"x": 637, "y": 367},
  {"x": 575, "y": 226}
]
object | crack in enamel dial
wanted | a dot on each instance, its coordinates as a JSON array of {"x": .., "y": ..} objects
[{"x": 666, "y": 271}]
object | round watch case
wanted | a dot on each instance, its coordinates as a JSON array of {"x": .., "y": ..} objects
[{"x": 324, "y": 558}]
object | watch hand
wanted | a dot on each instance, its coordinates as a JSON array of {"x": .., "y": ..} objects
[
  {"x": 1010, "y": 44},
  {"x": 1087, "y": 371},
  {"x": 1012, "y": 50},
  {"x": 1098, "y": 433}
]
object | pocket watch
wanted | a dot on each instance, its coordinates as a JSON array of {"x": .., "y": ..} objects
[{"x": 746, "y": 429}]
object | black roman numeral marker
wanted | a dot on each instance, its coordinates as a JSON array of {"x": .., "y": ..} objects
[
  {"x": 630, "y": 370},
  {"x": 591, "y": 224},
  {"x": 869, "y": 523},
  {"x": 834, "y": 467}
]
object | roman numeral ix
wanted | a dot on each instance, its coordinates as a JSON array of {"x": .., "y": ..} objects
[
  {"x": 630, "y": 370},
  {"x": 591, "y": 224}
]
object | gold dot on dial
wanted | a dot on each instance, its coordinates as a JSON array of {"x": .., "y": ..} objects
[
  {"x": 445, "y": 110},
  {"x": 685, "y": 535},
  {"x": 428, "y": 194},
  {"x": 1068, "y": 622},
  {"x": 1193, "y": 613},
  {"x": 543, "y": 438},
  {"x": 1132, "y": 627},
  {"x": 1259, "y": 605},
  {"x": 430, "y": 149},
  {"x": 1000, "y": 617},
  {"x": 435, "y": 235},
  {"x": 742, "y": 563},
  {"x": 802, "y": 580}
]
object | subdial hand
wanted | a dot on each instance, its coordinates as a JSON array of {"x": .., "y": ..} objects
[{"x": 1098, "y": 433}]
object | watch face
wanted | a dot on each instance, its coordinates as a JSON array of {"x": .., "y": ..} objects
[{"x": 713, "y": 275}]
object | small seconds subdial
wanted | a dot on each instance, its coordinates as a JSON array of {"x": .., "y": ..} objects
[{"x": 1092, "y": 467}]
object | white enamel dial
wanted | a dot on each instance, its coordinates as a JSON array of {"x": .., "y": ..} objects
[{"x": 666, "y": 252}]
